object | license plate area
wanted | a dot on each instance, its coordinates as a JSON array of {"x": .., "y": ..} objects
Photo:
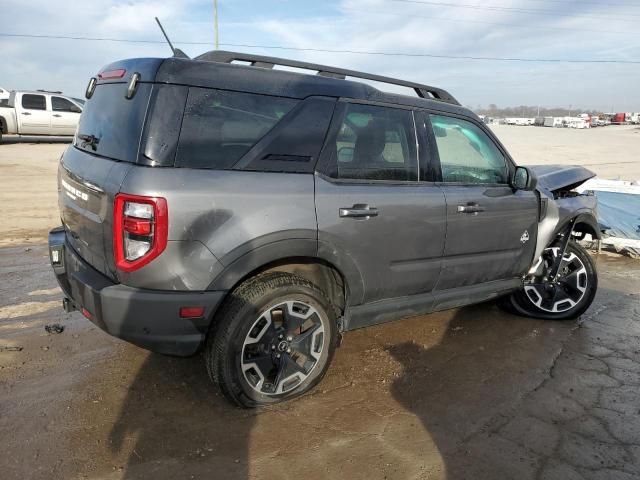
[{"x": 56, "y": 256}]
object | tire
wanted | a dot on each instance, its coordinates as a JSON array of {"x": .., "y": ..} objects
[
  {"x": 529, "y": 302},
  {"x": 275, "y": 317}
]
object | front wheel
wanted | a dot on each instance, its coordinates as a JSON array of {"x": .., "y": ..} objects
[
  {"x": 567, "y": 296},
  {"x": 273, "y": 340}
]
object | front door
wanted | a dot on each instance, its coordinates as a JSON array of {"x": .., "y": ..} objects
[
  {"x": 491, "y": 228},
  {"x": 34, "y": 117},
  {"x": 372, "y": 210},
  {"x": 65, "y": 116}
]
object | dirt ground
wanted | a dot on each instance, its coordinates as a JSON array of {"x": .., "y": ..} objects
[{"x": 472, "y": 393}]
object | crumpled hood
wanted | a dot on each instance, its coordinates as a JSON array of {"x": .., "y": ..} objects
[{"x": 556, "y": 177}]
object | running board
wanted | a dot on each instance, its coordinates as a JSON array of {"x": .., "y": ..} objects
[{"x": 387, "y": 310}]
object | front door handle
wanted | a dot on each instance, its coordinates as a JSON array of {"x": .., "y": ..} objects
[
  {"x": 472, "y": 208},
  {"x": 57, "y": 115},
  {"x": 358, "y": 211},
  {"x": 26, "y": 113}
]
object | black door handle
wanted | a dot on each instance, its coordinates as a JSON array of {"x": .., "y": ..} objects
[
  {"x": 57, "y": 115},
  {"x": 358, "y": 211},
  {"x": 26, "y": 113},
  {"x": 472, "y": 208}
]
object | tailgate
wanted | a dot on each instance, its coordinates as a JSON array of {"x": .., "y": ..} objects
[
  {"x": 93, "y": 168},
  {"x": 87, "y": 185}
]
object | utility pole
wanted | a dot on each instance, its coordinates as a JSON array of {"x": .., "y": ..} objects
[{"x": 215, "y": 20}]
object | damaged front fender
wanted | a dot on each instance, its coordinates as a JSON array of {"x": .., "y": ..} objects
[{"x": 560, "y": 204}]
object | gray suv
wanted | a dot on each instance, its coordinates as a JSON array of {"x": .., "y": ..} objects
[{"x": 225, "y": 204}]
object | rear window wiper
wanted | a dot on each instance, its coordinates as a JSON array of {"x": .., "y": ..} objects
[{"x": 89, "y": 141}]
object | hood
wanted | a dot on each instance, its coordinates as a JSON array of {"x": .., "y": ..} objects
[{"x": 557, "y": 177}]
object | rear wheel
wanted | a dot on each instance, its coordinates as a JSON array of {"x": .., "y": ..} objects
[
  {"x": 273, "y": 340},
  {"x": 564, "y": 297}
]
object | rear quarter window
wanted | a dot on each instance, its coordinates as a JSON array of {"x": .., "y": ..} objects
[{"x": 219, "y": 126}]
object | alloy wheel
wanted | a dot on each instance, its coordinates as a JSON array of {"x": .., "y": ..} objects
[
  {"x": 566, "y": 290},
  {"x": 283, "y": 347}
]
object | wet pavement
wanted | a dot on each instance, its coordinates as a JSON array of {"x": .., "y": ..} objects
[{"x": 472, "y": 393}]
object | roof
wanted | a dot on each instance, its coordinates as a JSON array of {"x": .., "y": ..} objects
[{"x": 215, "y": 70}]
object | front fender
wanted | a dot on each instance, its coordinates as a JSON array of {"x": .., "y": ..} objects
[{"x": 557, "y": 213}]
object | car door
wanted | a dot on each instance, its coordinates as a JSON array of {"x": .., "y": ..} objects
[
  {"x": 34, "y": 117},
  {"x": 373, "y": 212},
  {"x": 65, "y": 116},
  {"x": 491, "y": 227}
]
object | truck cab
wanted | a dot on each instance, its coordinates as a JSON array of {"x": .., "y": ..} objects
[{"x": 40, "y": 113}]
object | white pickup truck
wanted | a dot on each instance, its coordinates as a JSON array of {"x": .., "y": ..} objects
[{"x": 40, "y": 113}]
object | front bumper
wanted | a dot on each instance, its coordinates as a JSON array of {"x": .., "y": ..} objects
[{"x": 147, "y": 318}]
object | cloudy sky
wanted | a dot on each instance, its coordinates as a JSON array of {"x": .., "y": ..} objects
[{"x": 527, "y": 29}]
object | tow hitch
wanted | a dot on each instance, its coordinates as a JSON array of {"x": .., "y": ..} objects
[{"x": 68, "y": 306}]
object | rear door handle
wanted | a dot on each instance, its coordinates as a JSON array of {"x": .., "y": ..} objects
[
  {"x": 472, "y": 208},
  {"x": 57, "y": 115},
  {"x": 26, "y": 113},
  {"x": 358, "y": 211}
]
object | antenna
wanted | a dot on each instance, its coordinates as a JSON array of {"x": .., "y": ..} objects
[{"x": 176, "y": 51}]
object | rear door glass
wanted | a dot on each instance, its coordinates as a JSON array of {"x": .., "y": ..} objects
[
  {"x": 111, "y": 125},
  {"x": 34, "y": 102},
  {"x": 219, "y": 126},
  {"x": 376, "y": 143}
]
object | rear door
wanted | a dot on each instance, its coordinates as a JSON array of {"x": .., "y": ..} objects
[
  {"x": 33, "y": 114},
  {"x": 64, "y": 117},
  {"x": 491, "y": 228},
  {"x": 372, "y": 209}
]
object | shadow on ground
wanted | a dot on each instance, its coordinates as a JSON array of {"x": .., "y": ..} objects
[{"x": 474, "y": 393}]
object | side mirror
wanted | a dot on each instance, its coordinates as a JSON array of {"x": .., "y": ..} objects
[
  {"x": 524, "y": 179},
  {"x": 345, "y": 154}
]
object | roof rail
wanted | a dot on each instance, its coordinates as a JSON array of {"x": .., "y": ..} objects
[
  {"x": 49, "y": 91},
  {"x": 424, "y": 91}
]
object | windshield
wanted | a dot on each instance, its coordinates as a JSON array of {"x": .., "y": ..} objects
[{"x": 111, "y": 125}]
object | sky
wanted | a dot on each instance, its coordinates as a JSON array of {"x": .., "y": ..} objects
[{"x": 527, "y": 29}]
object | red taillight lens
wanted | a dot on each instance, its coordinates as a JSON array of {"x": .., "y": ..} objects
[
  {"x": 140, "y": 230},
  {"x": 109, "y": 74},
  {"x": 137, "y": 226}
]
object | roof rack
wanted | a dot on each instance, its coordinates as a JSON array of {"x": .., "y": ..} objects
[
  {"x": 48, "y": 91},
  {"x": 424, "y": 91}
]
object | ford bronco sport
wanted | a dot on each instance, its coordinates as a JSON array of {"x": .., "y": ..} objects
[{"x": 226, "y": 204}]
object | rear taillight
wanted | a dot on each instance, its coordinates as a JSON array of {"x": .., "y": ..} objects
[{"x": 140, "y": 230}]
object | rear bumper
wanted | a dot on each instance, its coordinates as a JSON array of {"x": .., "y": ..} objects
[{"x": 147, "y": 318}]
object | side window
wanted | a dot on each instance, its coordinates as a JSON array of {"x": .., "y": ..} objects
[
  {"x": 467, "y": 154},
  {"x": 219, "y": 127},
  {"x": 34, "y": 102},
  {"x": 376, "y": 143},
  {"x": 59, "y": 104}
]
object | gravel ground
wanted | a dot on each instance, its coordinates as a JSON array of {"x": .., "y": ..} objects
[{"x": 470, "y": 393}]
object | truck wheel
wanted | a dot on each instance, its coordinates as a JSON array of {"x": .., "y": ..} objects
[
  {"x": 273, "y": 340},
  {"x": 565, "y": 298}
]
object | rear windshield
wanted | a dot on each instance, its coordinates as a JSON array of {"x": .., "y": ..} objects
[
  {"x": 110, "y": 124},
  {"x": 219, "y": 127}
]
